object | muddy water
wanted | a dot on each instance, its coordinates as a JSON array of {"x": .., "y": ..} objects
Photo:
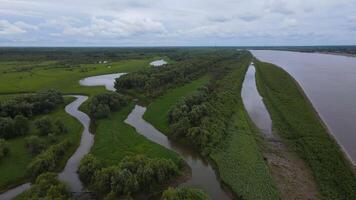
[
  {"x": 329, "y": 81},
  {"x": 292, "y": 177},
  {"x": 203, "y": 175},
  {"x": 69, "y": 174},
  {"x": 108, "y": 80}
]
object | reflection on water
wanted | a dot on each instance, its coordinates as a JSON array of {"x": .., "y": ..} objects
[
  {"x": 203, "y": 175},
  {"x": 329, "y": 81},
  {"x": 254, "y": 104},
  {"x": 108, "y": 80},
  {"x": 158, "y": 63}
]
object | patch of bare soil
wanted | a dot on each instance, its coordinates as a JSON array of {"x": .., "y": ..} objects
[{"x": 293, "y": 178}]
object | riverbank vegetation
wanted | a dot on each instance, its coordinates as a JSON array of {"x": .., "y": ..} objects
[
  {"x": 296, "y": 121},
  {"x": 47, "y": 125},
  {"x": 213, "y": 120},
  {"x": 132, "y": 176},
  {"x": 184, "y": 193}
]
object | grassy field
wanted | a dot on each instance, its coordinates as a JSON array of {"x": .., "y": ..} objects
[
  {"x": 65, "y": 79},
  {"x": 157, "y": 111},
  {"x": 114, "y": 139},
  {"x": 13, "y": 167},
  {"x": 296, "y": 121}
]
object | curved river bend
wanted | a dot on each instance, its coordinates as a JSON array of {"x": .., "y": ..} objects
[
  {"x": 329, "y": 81},
  {"x": 69, "y": 174}
]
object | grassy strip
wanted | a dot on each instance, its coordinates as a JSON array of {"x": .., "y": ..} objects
[
  {"x": 114, "y": 139},
  {"x": 13, "y": 167},
  {"x": 239, "y": 161},
  {"x": 157, "y": 111},
  {"x": 295, "y": 120}
]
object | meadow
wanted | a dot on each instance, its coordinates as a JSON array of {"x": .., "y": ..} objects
[{"x": 297, "y": 122}]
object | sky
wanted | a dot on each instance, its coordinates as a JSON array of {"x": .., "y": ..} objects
[{"x": 177, "y": 22}]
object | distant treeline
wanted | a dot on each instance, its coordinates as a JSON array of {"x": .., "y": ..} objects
[{"x": 154, "y": 81}]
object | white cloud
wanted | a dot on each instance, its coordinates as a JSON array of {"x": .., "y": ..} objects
[{"x": 7, "y": 28}]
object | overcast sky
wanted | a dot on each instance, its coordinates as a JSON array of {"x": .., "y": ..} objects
[{"x": 177, "y": 22}]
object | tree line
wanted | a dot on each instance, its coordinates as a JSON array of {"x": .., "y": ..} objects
[
  {"x": 133, "y": 175},
  {"x": 153, "y": 81},
  {"x": 201, "y": 118}
]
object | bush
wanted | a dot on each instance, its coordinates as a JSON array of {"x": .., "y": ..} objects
[
  {"x": 35, "y": 144},
  {"x": 184, "y": 193},
  {"x": 44, "y": 125},
  {"x": 133, "y": 174},
  {"x": 101, "y": 105},
  {"x": 10, "y": 128},
  {"x": 4, "y": 149},
  {"x": 21, "y": 125},
  {"x": 47, "y": 186},
  {"x": 31, "y": 104},
  {"x": 48, "y": 160}
]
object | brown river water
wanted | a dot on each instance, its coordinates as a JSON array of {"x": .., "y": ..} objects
[{"x": 329, "y": 81}]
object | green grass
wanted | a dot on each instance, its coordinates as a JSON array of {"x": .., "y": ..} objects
[
  {"x": 114, "y": 139},
  {"x": 13, "y": 167},
  {"x": 240, "y": 162},
  {"x": 238, "y": 159},
  {"x": 67, "y": 81},
  {"x": 157, "y": 111},
  {"x": 295, "y": 119}
]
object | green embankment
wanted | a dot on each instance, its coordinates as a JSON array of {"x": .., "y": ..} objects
[
  {"x": 238, "y": 159},
  {"x": 157, "y": 111},
  {"x": 296, "y": 121},
  {"x": 13, "y": 167},
  {"x": 43, "y": 76},
  {"x": 114, "y": 139}
]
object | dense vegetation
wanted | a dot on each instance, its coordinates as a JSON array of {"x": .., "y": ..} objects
[
  {"x": 4, "y": 149},
  {"x": 152, "y": 82},
  {"x": 184, "y": 193},
  {"x": 101, "y": 105},
  {"x": 202, "y": 117},
  {"x": 236, "y": 153},
  {"x": 137, "y": 174},
  {"x": 296, "y": 121},
  {"x": 47, "y": 186},
  {"x": 48, "y": 160}
]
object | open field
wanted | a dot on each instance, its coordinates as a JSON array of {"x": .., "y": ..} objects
[
  {"x": 114, "y": 139},
  {"x": 64, "y": 79},
  {"x": 157, "y": 111},
  {"x": 13, "y": 167},
  {"x": 296, "y": 121}
]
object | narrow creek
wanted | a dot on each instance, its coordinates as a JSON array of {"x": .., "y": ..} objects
[
  {"x": 203, "y": 175},
  {"x": 69, "y": 174},
  {"x": 292, "y": 177}
]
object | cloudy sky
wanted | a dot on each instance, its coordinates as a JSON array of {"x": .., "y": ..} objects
[{"x": 176, "y": 22}]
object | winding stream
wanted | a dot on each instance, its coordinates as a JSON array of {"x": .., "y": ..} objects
[
  {"x": 203, "y": 175},
  {"x": 69, "y": 174}
]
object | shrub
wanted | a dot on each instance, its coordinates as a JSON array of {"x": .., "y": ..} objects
[
  {"x": 44, "y": 125},
  {"x": 47, "y": 186},
  {"x": 184, "y": 193},
  {"x": 48, "y": 160},
  {"x": 35, "y": 144},
  {"x": 87, "y": 168},
  {"x": 4, "y": 149}
]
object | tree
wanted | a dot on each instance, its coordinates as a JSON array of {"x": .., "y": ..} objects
[
  {"x": 87, "y": 168},
  {"x": 35, "y": 144},
  {"x": 44, "y": 125},
  {"x": 6, "y": 127},
  {"x": 21, "y": 125},
  {"x": 124, "y": 183},
  {"x": 4, "y": 149},
  {"x": 60, "y": 127}
]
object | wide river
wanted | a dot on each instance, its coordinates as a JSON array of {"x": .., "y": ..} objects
[{"x": 329, "y": 81}]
